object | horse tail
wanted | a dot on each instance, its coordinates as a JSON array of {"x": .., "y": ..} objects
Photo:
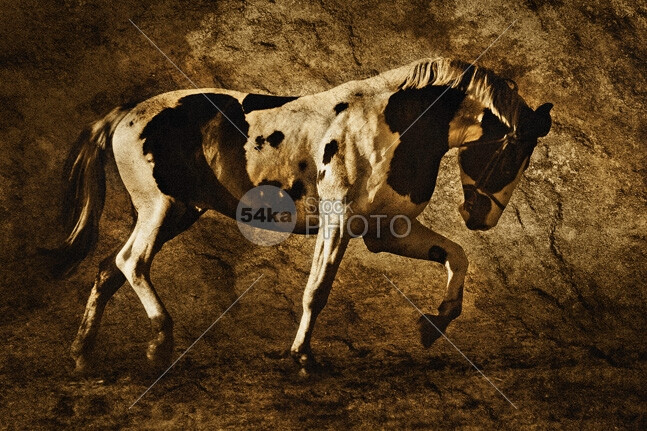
[{"x": 85, "y": 192}]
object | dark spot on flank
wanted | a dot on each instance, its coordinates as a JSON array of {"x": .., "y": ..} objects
[
  {"x": 414, "y": 166},
  {"x": 256, "y": 102},
  {"x": 131, "y": 124},
  {"x": 359, "y": 94},
  {"x": 259, "y": 142},
  {"x": 267, "y": 182},
  {"x": 303, "y": 165},
  {"x": 297, "y": 190},
  {"x": 321, "y": 175},
  {"x": 340, "y": 107},
  {"x": 275, "y": 138},
  {"x": 174, "y": 137},
  {"x": 329, "y": 151},
  {"x": 437, "y": 254}
]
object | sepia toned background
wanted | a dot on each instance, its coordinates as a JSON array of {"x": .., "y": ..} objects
[{"x": 555, "y": 303}]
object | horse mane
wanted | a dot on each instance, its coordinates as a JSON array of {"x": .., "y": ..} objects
[{"x": 495, "y": 93}]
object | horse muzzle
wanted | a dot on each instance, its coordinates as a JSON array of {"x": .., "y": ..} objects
[{"x": 476, "y": 209}]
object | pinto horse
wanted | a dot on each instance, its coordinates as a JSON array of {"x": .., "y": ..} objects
[{"x": 376, "y": 142}]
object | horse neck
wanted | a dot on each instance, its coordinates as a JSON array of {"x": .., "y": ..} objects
[{"x": 466, "y": 125}]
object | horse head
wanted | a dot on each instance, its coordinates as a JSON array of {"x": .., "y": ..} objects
[{"x": 492, "y": 166}]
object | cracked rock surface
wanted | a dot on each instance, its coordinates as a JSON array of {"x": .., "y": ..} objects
[{"x": 555, "y": 303}]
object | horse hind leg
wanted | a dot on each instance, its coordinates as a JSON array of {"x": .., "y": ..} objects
[
  {"x": 134, "y": 260},
  {"x": 108, "y": 280}
]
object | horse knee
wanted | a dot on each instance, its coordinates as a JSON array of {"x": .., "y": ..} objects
[
  {"x": 121, "y": 260},
  {"x": 457, "y": 259},
  {"x": 109, "y": 277},
  {"x": 133, "y": 268}
]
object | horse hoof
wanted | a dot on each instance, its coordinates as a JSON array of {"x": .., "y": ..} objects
[
  {"x": 304, "y": 373},
  {"x": 301, "y": 358},
  {"x": 82, "y": 365},
  {"x": 159, "y": 359},
  {"x": 160, "y": 350},
  {"x": 432, "y": 327},
  {"x": 305, "y": 361}
]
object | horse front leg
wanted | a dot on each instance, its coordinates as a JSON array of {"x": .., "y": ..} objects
[
  {"x": 424, "y": 243},
  {"x": 329, "y": 250}
]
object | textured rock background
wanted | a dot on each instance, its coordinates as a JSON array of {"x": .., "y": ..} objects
[{"x": 556, "y": 295}]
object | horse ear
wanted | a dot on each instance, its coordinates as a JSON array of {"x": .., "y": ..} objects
[{"x": 543, "y": 120}]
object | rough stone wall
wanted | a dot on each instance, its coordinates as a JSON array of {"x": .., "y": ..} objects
[{"x": 562, "y": 274}]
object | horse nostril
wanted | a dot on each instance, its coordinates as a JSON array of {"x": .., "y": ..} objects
[
  {"x": 470, "y": 197},
  {"x": 468, "y": 205},
  {"x": 477, "y": 207}
]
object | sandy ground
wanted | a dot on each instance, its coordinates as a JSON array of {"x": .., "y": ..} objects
[{"x": 555, "y": 300}]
